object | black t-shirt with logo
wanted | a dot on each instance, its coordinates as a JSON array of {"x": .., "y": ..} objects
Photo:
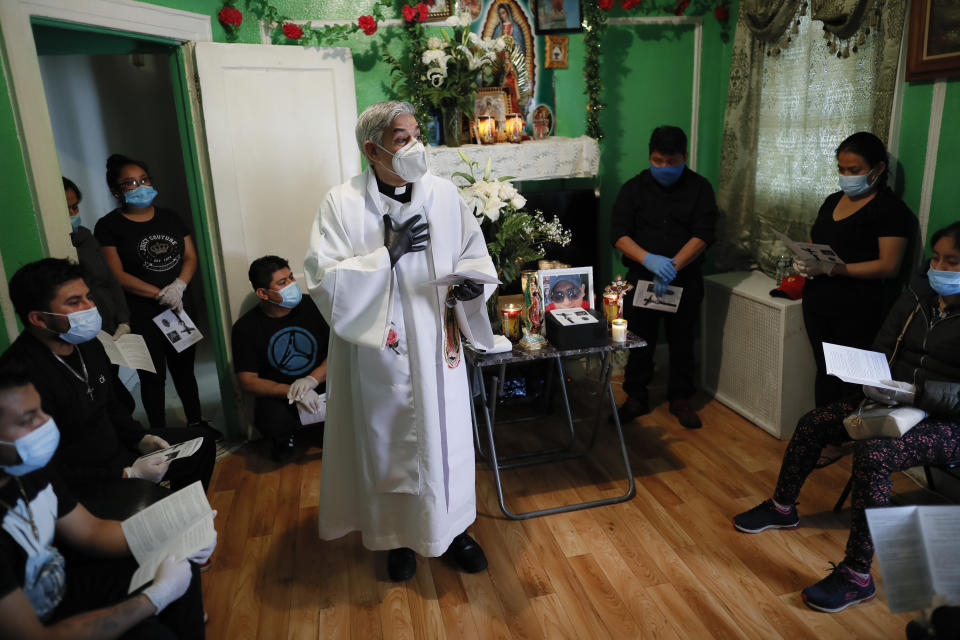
[{"x": 281, "y": 349}]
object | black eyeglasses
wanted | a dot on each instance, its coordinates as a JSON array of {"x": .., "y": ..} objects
[
  {"x": 572, "y": 293},
  {"x": 128, "y": 185}
]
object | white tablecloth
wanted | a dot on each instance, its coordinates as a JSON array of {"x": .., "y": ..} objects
[{"x": 554, "y": 157}]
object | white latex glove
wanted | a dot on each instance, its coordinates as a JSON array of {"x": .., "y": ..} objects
[
  {"x": 122, "y": 329},
  {"x": 813, "y": 268},
  {"x": 906, "y": 395},
  {"x": 172, "y": 294},
  {"x": 169, "y": 582},
  {"x": 149, "y": 443},
  {"x": 152, "y": 469},
  {"x": 310, "y": 401},
  {"x": 300, "y": 387},
  {"x": 204, "y": 554}
]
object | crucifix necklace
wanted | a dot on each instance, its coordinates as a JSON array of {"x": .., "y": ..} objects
[
  {"x": 29, "y": 519},
  {"x": 85, "y": 378}
]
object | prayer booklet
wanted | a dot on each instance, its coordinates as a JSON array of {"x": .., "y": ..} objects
[
  {"x": 130, "y": 351},
  {"x": 179, "y": 525},
  {"x": 810, "y": 250},
  {"x": 917, "y": 553},
  {"x": 179, "y": 329},
  {"x": 470, "y": 269},
  {"x": 571, "y": 317},
  {"x": 177, "y": 451},
  {"x": 857, "y": 366},
  {"x": 645, "y": 298},
  {"x": 312, "y": 418}
]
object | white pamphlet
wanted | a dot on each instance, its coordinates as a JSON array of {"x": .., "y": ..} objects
[
  {"x": 501, "y": 344},
  {"x": 179, "y": 525},
  {"x": 810, "y": 250},
  {"x": 311, "y": 418},
  {"x": 917, "y": 553},
  {"x": 572, "y": 317},
  {"x": 645, "y": 298},
  {"x": 470, "y": 269},
  {"x": 130, "y": 351},
  {"x": 179, "y": 329},
  {"x": 177, "y": 451},
  {"x": 857, "y": 366}
]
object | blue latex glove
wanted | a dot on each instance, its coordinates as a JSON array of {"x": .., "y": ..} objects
[
  {"x": 661, "y": 266},
  {"x": 659, "y": 287}
]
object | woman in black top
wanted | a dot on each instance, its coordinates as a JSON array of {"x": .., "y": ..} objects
[
  {"x": 869, "y": 228},
  {"x": 153, "y": 257}
]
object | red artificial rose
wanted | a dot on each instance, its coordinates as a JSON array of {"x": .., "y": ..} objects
[
  {"x": 368, "y": 24},
  {"x": 409, "y": 13},
  {"x": 606, "y": 5},
  {"x": 292, "y": 31},
  {"x": 629, "y": 4},
  {"x": 681, "y": 8},
  {"x": 722, "y": 12},
  {"x": 422, "y": 8},
  {"x": 230, "y": 16}
]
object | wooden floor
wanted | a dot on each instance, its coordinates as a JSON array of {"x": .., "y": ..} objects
[{"x": 667, "y": 564}]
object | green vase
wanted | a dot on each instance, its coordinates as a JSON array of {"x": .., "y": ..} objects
[{"x": 451, "y": 117}]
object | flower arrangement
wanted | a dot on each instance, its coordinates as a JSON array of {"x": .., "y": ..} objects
[
  {"x": 514, "y": 236},
  {"x": 456, "y": 65}
]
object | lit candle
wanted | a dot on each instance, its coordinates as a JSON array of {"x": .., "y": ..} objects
[
  {"x": 486, "y": 129},
  {"x": 610, "y": 305},
  {"x": 514, "y": 127},
  {"x": 619, "y": 329},
  {"x": 511, "y": 321}
]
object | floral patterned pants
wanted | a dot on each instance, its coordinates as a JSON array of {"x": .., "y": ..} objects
[{"x": 933, "y": 441}]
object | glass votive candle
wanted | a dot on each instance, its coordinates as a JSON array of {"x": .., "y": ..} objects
[
  {"x": 513, "y": 127},
  {"x": 486, "y": 129},
  {"x": 511, "y": 321},
  {"x": 618, "y": 329},
  {"x": 611, "y": 306}
]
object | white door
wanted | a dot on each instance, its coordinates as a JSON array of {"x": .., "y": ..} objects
[{"x": 279, "y": 124}]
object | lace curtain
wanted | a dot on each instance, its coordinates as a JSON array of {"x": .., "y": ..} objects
[{"x": 787, "y": 113}]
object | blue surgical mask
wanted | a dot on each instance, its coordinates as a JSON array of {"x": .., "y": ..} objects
[
  {"x": 946, "y": 283},
  {"x": 140, "y": 197},
  {"x": 666, "y": 176},
  {"x": 84, "y": 325},
  {"x": 291, "y": 295},
  {"x": 35, "y": 449},
  {"x": 75, "y": 222},
  {"x": 856, "y": 185}
]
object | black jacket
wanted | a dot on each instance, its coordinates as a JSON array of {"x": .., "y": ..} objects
[{"x": 929, "y": 355}]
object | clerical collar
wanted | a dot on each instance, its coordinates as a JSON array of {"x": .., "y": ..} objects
[{"x": 400, "y": 194}]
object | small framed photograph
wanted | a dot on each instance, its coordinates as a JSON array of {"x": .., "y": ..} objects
[
  {"x": 541, "y": 123},
  {"x": 438, "y": 9},
  {"x": 556, "y": 16},
  {"x": 933, "y": 49},
  {"x": 567, "y": 288},
  {"x": 556, "y": 50},
  {"x": 492, "y": 101}
]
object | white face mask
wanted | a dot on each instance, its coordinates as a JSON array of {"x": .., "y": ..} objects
[{"x": 409, "y": 162}]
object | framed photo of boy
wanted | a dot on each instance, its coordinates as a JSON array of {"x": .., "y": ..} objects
[
  {"x": 556, "y": 16},
  {"x": 933, "y": 50},
  {"x": 567, "y": 288},
  {"x": 556, "y": 49}
]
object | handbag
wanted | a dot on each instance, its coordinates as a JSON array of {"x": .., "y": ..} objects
[{"x": 874, "y": 420}]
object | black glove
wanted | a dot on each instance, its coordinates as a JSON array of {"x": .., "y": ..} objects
[
  {"x": 405, "y": 238},
  {"x": 467, "y": 290}
]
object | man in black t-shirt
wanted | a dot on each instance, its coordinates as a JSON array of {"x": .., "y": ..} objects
[
  {"x": 40, "y": 593},
  {"x": 663, "y": 220},
  {"x": 280, "y": 354}
]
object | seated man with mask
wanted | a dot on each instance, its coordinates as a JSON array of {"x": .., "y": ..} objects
[
  {"x": 100, "y": 439},
  {"x": 280, "y": 354},
  {"x": 41, "y": 596}
]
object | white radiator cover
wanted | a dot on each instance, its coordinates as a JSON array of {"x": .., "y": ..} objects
[{"x": 757, "y": 359}]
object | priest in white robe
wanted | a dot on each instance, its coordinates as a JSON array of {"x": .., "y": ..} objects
[{"x": 398, "y": 462}]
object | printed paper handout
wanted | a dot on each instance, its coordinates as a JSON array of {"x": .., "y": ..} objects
[
  {"x": 810, "y": 250},
  {"x": 177, "y": 451},
  {"x": 129, "y": 351},
  {"x": 571, "y": 317},
  {"x": 312, "y": 418},
  {"x": 470, "y": 269},
  {"x": 644, "y": 297},
  {"x": 857, "y": 366},
  {"x": 917, "y": 553},
  {"x": 179, "y": 329},
  {"x": 179, "y": 525}
]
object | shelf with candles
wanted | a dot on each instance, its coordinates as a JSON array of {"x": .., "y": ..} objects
[{"x": 548, "y": 159}]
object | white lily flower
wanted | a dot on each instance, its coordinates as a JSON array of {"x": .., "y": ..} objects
[
  {"x": 518, "y": 202},
  {"x": 436, "y": 76},
  {"x": 465, "y": 19},
  {"x": 434, "y": 43},
  {"x": 452, "y": 21}
]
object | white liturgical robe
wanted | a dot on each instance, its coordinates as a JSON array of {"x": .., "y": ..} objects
[{"x": 398, "y": 459}]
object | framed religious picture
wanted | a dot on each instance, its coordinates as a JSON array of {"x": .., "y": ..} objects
[
  {"x": 512, "y": 18},
  {"x": 556, "y": 16},
  {"x": 933, "y": 49},
  {"x": 556, "y": 49},
  {"x": 438, "y": 9},
  {"x": 492, "y": 101},
  {"x": 566, "y": 288},
  {"x": 541, "y": 123}
]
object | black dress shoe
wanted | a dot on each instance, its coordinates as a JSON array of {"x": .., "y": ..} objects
[
  {"x": 686, "y": 416},
  {"x": 632, "y": 409},
  {"x": 467, "y": 554},
  {"x": 401, "y": 564}
]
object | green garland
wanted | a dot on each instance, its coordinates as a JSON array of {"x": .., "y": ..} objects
[
  {"x": 595, "y": 23},
  {"x": 410, "y": 75},
  {"x": 311, "y": 36}
]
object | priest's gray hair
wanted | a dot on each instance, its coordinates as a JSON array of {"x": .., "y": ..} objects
[{"x": 376, "y": 118}]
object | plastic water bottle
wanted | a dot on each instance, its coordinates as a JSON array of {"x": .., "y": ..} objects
[{"x": 784, "y": 263}]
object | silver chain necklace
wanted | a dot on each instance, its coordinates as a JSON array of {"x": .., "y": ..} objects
[{"x": 85, "y": 378}]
